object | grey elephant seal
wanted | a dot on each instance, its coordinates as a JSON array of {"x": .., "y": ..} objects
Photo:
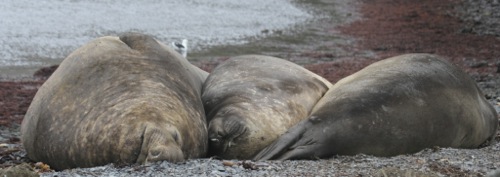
[
  {"x": 251, "y": 100},
  {"x": 395, "y": 106},
  {"x": 118, "y": 100}
]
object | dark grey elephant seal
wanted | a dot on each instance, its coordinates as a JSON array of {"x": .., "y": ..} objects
[
  {"x": 395, "y": 106},
  {"x": 118, "y": 100},
  {"x": 251, "y": 100}
]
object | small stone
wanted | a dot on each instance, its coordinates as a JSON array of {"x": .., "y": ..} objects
[
  {"x": 227, "y": 163},
  {"x": 392, "y": 171},
  {"x": 23, "y": 169}
]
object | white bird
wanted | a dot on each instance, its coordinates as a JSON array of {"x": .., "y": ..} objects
[{"x": 181, "y": 47}]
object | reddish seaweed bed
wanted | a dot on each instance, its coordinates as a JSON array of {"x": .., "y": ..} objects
[{"x": 394, "y": 27}]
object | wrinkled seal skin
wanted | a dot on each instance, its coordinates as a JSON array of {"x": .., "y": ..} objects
[
  {"x": 396, "y": 106},
  {"x": 251, "y": 100},
  {"x": 118, "y": 100}
]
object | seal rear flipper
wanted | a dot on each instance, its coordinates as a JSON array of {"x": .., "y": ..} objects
[{"x": 283, "y": 143}]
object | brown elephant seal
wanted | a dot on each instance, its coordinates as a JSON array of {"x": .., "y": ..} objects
[
  {"x": 117, "y": 100},
  {"x": 395, "y": 106},
  {"x": 251, "y": 100}
]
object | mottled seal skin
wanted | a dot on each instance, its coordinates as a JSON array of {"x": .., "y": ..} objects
[
  {"x": 251, "y": 100},
  {"x": 123, "y": 100},
  {"x": 395, "y": 106}
]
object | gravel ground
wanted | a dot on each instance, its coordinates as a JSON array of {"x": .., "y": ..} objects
[
  {"x": 482, "y": 17},
  {"x": 429, "y": 162}
]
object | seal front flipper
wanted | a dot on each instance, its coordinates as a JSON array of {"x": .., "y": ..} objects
[{"x": 282, "y": 145}]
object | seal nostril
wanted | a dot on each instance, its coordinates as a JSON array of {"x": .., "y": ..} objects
[
  {"x": 220, "y": 133},
  {"x": 176, "y": 137}
]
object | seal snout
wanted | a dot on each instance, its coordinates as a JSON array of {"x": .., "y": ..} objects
[
  {"x": 217, "y": 135},
  {"x": 161, "y": 144},
  {"x": 162, "y": 152},
  {"x": 223, "y": 132}
]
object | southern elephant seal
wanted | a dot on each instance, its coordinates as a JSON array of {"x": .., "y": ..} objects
[
  {"x": 251, "y": 100},
  {"x": 123, "y": 100},
  {"x": 395, "y": 106}
]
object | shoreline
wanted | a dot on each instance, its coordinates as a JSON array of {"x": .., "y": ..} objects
[
  {"x": 301, "y": 44},
  {"x": 36, "y": 35}
]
